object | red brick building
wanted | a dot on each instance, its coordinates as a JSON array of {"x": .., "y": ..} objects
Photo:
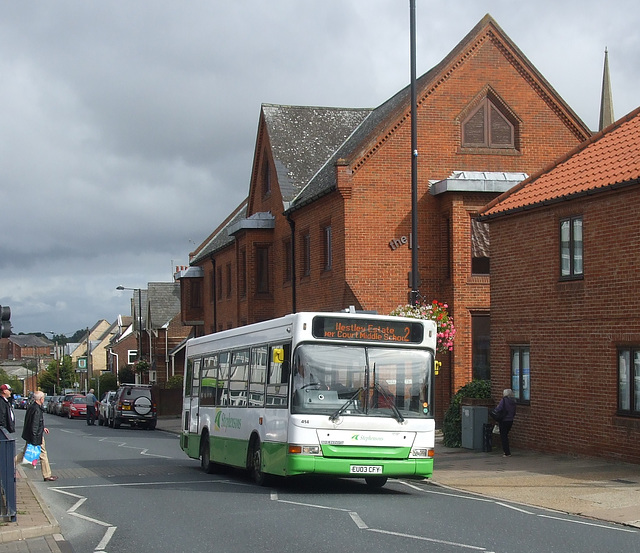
[
  {"x": 565, "y": 299},
  {"x": 328, "y": 215}
]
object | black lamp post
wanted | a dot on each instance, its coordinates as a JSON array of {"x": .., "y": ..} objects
[{"x": 415, "y": 277}]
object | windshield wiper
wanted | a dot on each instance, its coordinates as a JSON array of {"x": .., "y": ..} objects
[
  {"x": 391, "y": 402},
  {"x": 342, "y": 409}
]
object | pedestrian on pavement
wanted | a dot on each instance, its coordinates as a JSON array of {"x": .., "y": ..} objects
[
  {"x": 506, "y": 412},
  {"x": 33, "y": 433},
  {"x": 7, "y": 416},
  {"x": 91, "y": 401}
]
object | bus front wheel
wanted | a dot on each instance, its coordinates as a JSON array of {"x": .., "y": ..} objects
[
  {"x": 255, "y": 463},
  {"x": 205, "y": 456},
  {"x": 376, "y": 481}
]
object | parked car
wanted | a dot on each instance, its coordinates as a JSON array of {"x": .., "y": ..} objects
[
  {"x": 134, "y": 405},
  {"x": 78, "y": 403},
  {"x": 51, "y": 405},
  {"x": 47, "y": 399},
  {"x": 105, "y": 407},
  {"x": 77, "y": 407},
  {"x": 22, "y": 402},
  {"x": 57, "y": 408}
]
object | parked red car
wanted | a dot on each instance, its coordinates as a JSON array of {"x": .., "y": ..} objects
[{"x": 74, "y": 405}]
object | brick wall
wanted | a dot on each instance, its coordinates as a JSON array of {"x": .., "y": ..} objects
[{"x": 573, "y": 328}]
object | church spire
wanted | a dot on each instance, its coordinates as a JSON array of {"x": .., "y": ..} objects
[{"x": 606, "y": 101}]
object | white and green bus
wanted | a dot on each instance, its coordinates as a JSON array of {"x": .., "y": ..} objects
[{"x": 342, "y": 394}]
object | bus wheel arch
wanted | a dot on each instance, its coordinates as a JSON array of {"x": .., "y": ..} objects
[{"x": 254, "y": 461}]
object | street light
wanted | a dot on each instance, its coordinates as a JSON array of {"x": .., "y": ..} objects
[{"x": 139, "y": 316}]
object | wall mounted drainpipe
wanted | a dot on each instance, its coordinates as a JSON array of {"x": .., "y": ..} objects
[
  {"x": 166, "y": 351},
  {"x": 292, "y": 224},
  {"x": 215, "y": 295}
]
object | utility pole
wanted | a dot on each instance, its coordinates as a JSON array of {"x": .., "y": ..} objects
[{"x": 415, "y": 277}]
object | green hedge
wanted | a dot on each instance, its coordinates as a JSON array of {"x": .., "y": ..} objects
[{"x": 452, "y": 425}]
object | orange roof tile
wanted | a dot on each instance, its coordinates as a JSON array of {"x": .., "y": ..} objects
[{"x": 609, "y": 158}]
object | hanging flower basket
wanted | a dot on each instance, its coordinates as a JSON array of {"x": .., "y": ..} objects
[{"x": 434, "y": 311}]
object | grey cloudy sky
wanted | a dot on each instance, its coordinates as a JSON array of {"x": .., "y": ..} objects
[{"x": 127, "y": 128}]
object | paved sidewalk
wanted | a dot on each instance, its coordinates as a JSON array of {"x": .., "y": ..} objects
[
  {"x": 595, "y": 488},
  {"x": 35, "y": 529}
]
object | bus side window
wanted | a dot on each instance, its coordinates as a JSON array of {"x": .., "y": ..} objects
[
  {"x": 188, "y": 377},
  {"x": 238, "y": 378},
  {"x": 257, "y": 376},
  {"x": 195, "y": 383},
  {"x": 209, "y": 380},
  {"x": 223, "y": 376},
  {"x": 278, "y": 375}
]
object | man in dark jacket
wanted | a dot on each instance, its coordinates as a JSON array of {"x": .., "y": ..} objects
[
  {"x": 7, "y": 417},
  {"x": 33, "y": 433}
]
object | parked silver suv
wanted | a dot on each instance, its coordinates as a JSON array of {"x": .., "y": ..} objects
[{"x": 134, "y": 405}]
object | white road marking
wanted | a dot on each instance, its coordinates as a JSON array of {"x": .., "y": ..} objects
[{"x": 422, "y": 538}]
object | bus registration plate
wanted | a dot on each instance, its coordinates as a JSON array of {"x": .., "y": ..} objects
[{"x": 365, "y": 469}]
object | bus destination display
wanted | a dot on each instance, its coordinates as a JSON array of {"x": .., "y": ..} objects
[{"x": 342, "y": 328}]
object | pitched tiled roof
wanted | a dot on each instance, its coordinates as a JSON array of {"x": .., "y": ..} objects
[{"x": 607, "y": 160}]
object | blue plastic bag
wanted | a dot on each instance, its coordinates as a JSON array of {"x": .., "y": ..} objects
[{"x": 31, "y": 454}]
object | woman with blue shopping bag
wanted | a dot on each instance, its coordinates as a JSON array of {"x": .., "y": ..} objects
[{"x": 33, "y": 433}]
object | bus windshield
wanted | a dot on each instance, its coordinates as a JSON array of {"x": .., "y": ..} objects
[{"x": 361, "y": 381}]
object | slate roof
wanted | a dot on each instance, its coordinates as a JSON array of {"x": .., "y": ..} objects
[
  {"x": 608, "y": 160},
  {"x": 30, "y": 341},
  {"x": 164, "y": 302},
  {"x": 302, "y": 138},
  {"x": 220, "y": 238}
]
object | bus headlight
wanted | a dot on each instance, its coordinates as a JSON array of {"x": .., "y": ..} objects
[
  {"x": 304, "y": 449},
  {"x": 423, "y": 452}
]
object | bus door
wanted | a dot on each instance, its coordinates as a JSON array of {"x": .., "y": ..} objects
[{"x": 193, "y": 401}]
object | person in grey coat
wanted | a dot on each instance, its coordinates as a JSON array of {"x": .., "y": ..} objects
[{"x": 506, "y": 412}]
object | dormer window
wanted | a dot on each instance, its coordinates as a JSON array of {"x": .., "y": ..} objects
[{"x": 488, "y": 127}]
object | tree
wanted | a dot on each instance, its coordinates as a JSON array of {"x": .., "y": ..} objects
[
  {"x": 175, "y": 382},
  {"x": 67, "y": 373},
  {"x": 48, "y": 379},
  {"x": 15, "y": 383},
  {"x": 126, "y": 375},
  {"x": 108, "y": 381}
]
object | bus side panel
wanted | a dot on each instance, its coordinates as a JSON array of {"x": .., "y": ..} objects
[
  {"x": 190, "y": 444},
  {"x": 275, "y": 445},
  {"x": 235, "y": 452},
  {"x": 274, "y": 458}
]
